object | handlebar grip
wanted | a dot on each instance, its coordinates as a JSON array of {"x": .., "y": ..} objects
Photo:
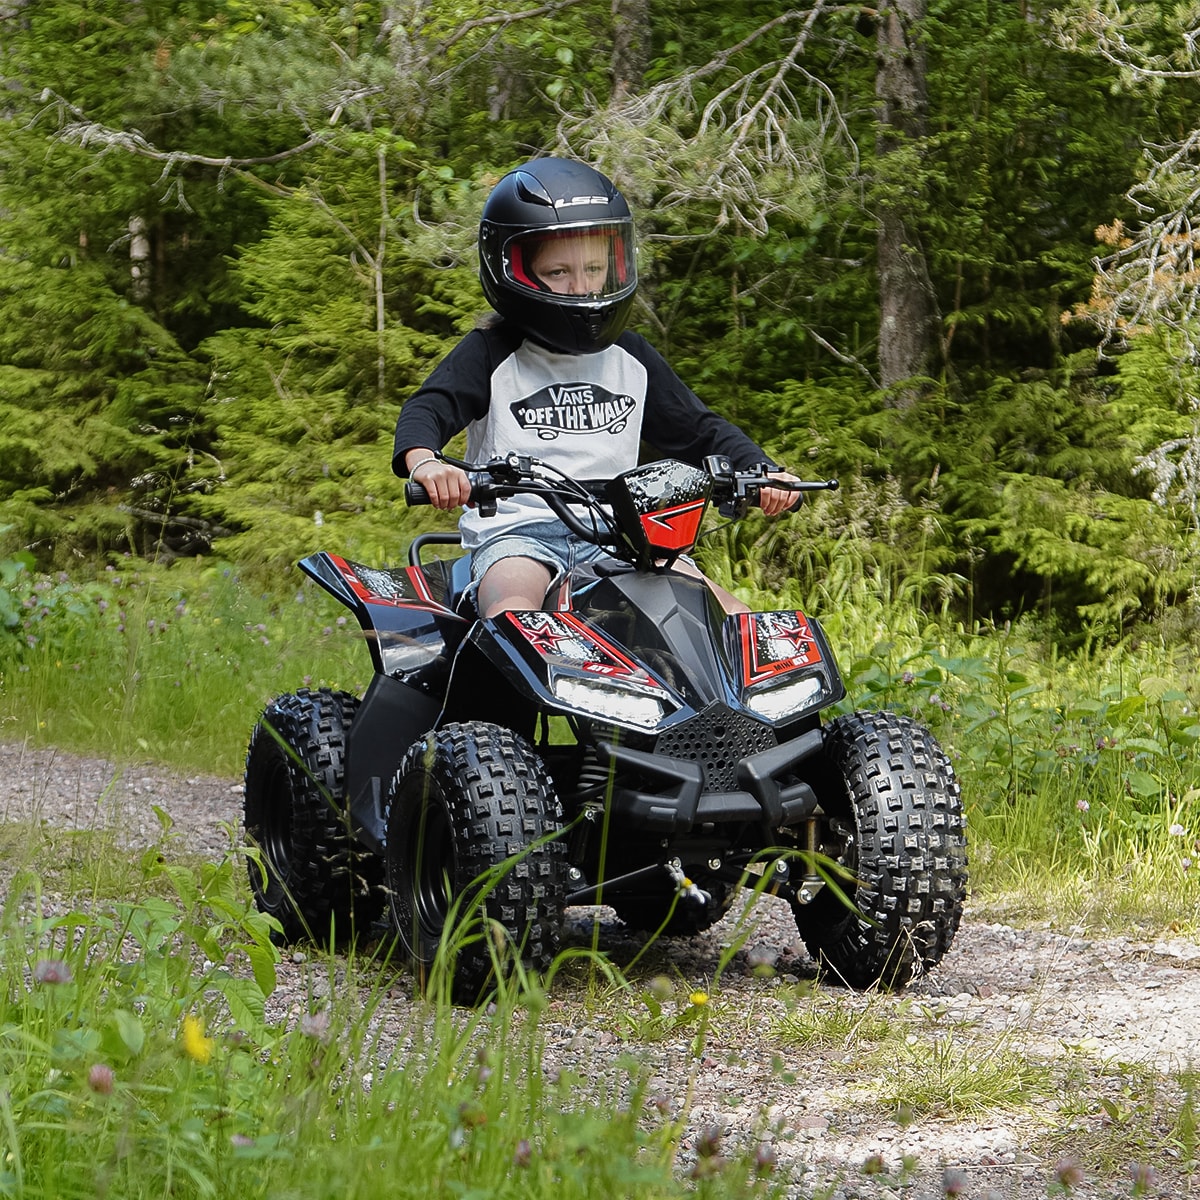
[{"x": 415, "y": 494}]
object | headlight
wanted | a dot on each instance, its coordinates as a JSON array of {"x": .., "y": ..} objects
[
  {"x": 605, "y": 700},
  {"x": 786, "y": 700}
]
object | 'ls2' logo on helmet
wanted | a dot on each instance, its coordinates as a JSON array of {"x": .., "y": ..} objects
[{"x": 573, "y": 408}]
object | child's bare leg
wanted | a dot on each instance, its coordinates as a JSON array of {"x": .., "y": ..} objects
[
  {"x": 729, "y": 602},
  {"x": 513, "y": 583}
]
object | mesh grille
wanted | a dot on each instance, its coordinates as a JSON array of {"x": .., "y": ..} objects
[{"x": 718, "y": 739}]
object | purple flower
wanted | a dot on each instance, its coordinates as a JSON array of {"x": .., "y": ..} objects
[
  {"x": 316, "y": 1025},
  {"x": 1144, "y": 1178},
  {"x": 1068, "y": 1173},
  {"x": 954, "y": 1181},
  {"x": 51, "y": 970},
  {"x": 765, "y": 1159},
  {"x": 101, "y": 1079}
]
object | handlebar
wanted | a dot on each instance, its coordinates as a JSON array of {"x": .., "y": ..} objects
[
  {"x": 733, "y": 491},
  {"x": 514, "y": 475},
  {"x": 488, "y": 484}
]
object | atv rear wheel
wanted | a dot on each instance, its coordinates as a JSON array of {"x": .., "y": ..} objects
[
  {"x": 468, "y": 814},
  {"x": 313, "y": 877},
  {"x": 895, "y": 821}
]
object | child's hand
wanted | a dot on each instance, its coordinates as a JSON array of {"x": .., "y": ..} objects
[
  {"x": 774, "y": 501},
  {"x": 448, "y": 486}
]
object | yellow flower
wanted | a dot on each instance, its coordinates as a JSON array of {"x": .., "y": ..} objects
[
  {"x": 699, "y": 999},
  {"x": 195, "y": 1045}
]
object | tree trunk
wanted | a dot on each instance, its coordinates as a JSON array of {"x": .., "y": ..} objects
[
  {"x": 631, "y": 46},
  {"x": 909, "y": 321},
  {"x": 139, "y": 259}
]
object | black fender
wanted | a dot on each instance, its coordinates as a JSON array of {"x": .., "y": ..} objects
[{"x": 391, "y": 717}]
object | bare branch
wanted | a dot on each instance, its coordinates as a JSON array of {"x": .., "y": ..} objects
[
  {"x": 505, "y": 19},
  {"x": 90, "y": 134},
  {"x": 760, "y": 143}
]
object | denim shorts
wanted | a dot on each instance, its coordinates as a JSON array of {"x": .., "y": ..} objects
[{"x": 547, "y": 542}]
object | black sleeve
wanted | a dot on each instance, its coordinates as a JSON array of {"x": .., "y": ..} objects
[
  {"x": 456, "y": 393},
  {"x": 678, "y": 423}
]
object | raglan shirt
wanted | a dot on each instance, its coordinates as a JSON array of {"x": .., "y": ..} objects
[{"x": 584, "y": 414}]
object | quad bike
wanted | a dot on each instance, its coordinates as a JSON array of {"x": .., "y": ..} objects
[{"x": 628, "y": 744}]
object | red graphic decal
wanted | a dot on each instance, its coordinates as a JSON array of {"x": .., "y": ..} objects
[
  {"x": 774, "y": 643},
  {"x": 674, "y": 528},
  {"x": 565, "y": 636},
  {"x": 411, "y": 587}
]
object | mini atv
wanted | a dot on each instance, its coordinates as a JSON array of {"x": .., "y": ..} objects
[{"x": 627, "y": 744}]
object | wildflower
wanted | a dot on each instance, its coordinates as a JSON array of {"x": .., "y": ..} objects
[
  {"x": 1068, "y": 1173},
  {"x": 708, "y": 1157},
  {"x": 907, "y": 677},
  {"x": 1144, "y": 1178},
  {"x": 471, "y": 1113},
  {"x": 522, "y": 1154},
  {"x": 708, "y": 1144},
  {"x": 241, "y": 1140},
  {"x": 874, "y": 1165},
  {"x": 699, "y": 999},
  {"x": 51, "y": 970},
  {"x": 1185, "y": 863},
  {"x": 101, "y": 1079},
  {"x": 195, "y": 1045},
  {"x": 316, "y": 1025},
  {"x": 1082, "y": 805},
  {"x": 954, "y": 1181},
  {"x": 1177, "y": 831},
  {"x": 765, "y": 1159}
]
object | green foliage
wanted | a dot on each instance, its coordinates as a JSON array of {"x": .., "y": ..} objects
[
  {"x": 139, "y": 1057},
  {"x": 175, "y": 664},
  {"x": 240, "y": 388}
]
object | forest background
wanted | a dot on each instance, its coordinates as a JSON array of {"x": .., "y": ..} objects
[
  {"x": 939, "y": 250},
  {"x": 942, "y": 251}
]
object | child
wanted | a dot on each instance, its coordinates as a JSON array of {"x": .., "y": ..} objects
[{"x": 556, "y": 377}]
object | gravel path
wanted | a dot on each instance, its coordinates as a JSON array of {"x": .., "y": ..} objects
[{"x": 1107, "y": 1029}]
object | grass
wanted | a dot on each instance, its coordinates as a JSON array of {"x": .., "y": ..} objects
[
  {"x": 140, "y": 1056},
  {"x": 138, "y": 1040},
  {"x": 170, "y": 665}
]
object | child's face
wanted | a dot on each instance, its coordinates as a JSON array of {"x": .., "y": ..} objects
[{"x": 572, "y": 266}]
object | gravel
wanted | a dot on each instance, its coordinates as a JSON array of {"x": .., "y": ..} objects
[{"x": 1111, "y": 1022}]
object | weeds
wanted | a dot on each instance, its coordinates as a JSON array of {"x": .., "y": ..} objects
[
  {"x": 139, "y": 1058},
  {"x": 139, "y": 1039}
]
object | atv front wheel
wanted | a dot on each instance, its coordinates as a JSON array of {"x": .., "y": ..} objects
[
  {"x": 312, "y": 877},
  {"x": 895, "y": 822},
  {"x": 468, "y": 816}
]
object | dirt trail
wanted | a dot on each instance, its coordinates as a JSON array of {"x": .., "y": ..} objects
[{"x": 1111, "y": 1023}]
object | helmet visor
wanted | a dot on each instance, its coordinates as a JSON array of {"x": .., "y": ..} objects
[{"x": 589, "y": 263}]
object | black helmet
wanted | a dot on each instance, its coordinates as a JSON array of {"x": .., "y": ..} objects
[{"x": 556, "y": 255}]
